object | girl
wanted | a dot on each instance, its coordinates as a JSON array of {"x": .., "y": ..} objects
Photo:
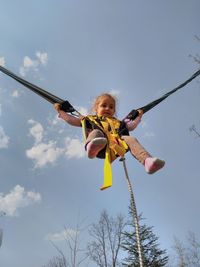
[{"x": 104, "y": 129}]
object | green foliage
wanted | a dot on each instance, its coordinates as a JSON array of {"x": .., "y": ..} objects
[{"x": 152, "y": 255}]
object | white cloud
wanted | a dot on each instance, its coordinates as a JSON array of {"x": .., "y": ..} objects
[
  {"x": 4, "y": 139},
  {"x": 60, "y": 236},
  {"x": 36, "y": 131},
  {"x": 15, "y": 94},
  {"x": 42, "y": 57},
  {"x": 74, "y": 148},
  {"x": 2, "y": 61},
  {"x": 147, "y": 134},
  {"x": 43, "y": 153},
  {"x": 47, "y": 152},
  {"x": 143, "y": 124},
  {"x": 33, "y": 64},
  {"x": 29, "y": 63},
  {"x": 55, "y": 120},
  {"x": 115, "y": 92},
  {"x": 17, "y": 198}
]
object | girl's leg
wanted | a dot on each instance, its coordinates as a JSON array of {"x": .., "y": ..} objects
[
  {"x": 136, "y": 149},
  {"x": 95, "y": 142},
  {"x": 151, "y": 164},
  {"x": 94, "y": 134}
]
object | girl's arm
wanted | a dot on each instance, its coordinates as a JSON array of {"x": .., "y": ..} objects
[
  {"x": 72, "y": 120},
  {"x": 132, "y": 124}
]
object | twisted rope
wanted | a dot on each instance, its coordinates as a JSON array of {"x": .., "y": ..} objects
[{"x": 134, "y": 212}]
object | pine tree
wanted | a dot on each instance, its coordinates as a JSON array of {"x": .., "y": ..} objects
[{"x": 152, "y": 255}]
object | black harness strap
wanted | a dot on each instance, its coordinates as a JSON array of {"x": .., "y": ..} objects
[
  {"x": 134, "y": 113},
  {"x": 65, "y": 105}
]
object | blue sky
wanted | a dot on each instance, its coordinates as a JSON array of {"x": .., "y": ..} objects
[{"x": 138, "y": 50}]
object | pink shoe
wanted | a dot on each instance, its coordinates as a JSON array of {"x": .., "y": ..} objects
[
  {"x": 153, "y": 165},
  {"x": 94, "y": 146}
]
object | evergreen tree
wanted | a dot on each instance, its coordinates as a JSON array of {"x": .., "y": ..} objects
[{"x": 152, "y": 255}]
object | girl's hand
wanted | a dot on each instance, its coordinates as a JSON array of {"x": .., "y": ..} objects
[
  {"x": 61, "y": 113},
  {"x": 140, "y": 113},
  {"x": 131, "y": 125},
  {"x": 57, "y": 106}
]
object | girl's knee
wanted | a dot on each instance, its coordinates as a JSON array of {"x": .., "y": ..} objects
[{"x": 129, "y": 138}]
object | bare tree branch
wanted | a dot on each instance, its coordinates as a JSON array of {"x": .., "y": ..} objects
[{"x": 107, "y": 237}]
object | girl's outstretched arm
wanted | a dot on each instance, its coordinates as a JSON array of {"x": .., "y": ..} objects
[{"x": 72, "y": 120}]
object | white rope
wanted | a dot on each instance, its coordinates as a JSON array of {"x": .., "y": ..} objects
[{"x": 134, "y": 212}]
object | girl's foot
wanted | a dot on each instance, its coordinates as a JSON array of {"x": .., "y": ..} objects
[
  {"x": 152, "y": 165},
  {"x": 94, "y": 146}
]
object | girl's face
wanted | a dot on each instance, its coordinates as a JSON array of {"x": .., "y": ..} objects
[{"x": 105, "y": 107}]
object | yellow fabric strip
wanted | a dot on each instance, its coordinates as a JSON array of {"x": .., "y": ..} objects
[
  {"x": 83, "y": 128},
  {"x": 107, "y": 170}
]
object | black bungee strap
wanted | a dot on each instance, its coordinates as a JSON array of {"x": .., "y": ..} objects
[
  {"x": 65, "y": 105},
  {"x": 134, "y": 113}
]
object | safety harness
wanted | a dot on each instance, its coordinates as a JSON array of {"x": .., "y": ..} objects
[{"x": 116, "y": 146}]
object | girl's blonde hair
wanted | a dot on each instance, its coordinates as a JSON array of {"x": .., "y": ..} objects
[{"x": 97, "y": 100}]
